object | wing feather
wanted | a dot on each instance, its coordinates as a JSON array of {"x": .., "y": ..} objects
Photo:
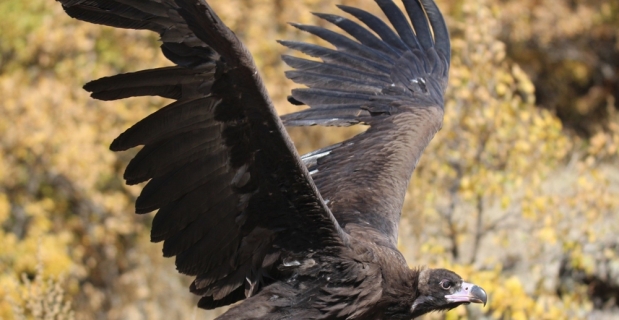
[
  {"x": 339, "y": 116},
  {"x": 334, "y": 56},
  {"x": 178, "y": 117},
  {"x": 377, "y": 25},
  {"x": 156, "y": 159},
  {"x": 400, "y": 23},
  {"x": 336, "y": 70},
  {"x": 322, "y": 81},
  {"x": 364, "y": 36},
  {"x": 209, "y": 228},
  {"x": 439, "y": 27},
  {"x": 347, "y": 45},
  {"x": 165, "y": 82},
  {"x": 168, "y": 221},
  {"x": 317, "y": 97},
  {"x": 420, "y": 23},
  {"x": 124, "y": 16}
]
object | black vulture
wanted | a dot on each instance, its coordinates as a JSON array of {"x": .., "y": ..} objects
[{"x": 311, "y": 237}]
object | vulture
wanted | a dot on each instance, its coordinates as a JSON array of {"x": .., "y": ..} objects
[{"x": 294, "y": 237}]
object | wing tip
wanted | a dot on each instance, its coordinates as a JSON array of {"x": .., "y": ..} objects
[{"x": 294, "y": 101}]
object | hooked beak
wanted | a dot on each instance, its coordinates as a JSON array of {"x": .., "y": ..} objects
[{"x": 468, "y": 293}]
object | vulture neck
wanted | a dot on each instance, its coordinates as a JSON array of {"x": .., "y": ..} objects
[
  {"x": 399, "y": 282},
  {"x": 400, "y": 293}
]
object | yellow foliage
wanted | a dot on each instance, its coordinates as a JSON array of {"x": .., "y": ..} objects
[
  {"x": 570, "y": 47},
  {"x": 40, "y": 298}
]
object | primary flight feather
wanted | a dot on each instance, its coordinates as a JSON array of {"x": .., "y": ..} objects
[{"x": 310, "y": 237}]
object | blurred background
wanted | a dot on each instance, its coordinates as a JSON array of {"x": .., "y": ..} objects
[{"x": 519, "y": 192}]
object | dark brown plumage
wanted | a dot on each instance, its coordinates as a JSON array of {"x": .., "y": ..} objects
[{"x": 310, "y": 237}]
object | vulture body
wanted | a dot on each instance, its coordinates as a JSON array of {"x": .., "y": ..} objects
[{"x": 310, "y": 237}]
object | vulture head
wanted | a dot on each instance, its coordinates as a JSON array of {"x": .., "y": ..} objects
[{"x": 442, "y": 290}]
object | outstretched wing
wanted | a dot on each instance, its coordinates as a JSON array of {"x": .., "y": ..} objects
[
  {"x": 231, "y": 190},
  {"x": 393, "y": 81}
]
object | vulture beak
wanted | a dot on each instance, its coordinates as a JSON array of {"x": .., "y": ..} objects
[{"x": 468, "y": 293}]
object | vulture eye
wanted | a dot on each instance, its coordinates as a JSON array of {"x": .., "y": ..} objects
[{"x": 446, "y": 284}]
